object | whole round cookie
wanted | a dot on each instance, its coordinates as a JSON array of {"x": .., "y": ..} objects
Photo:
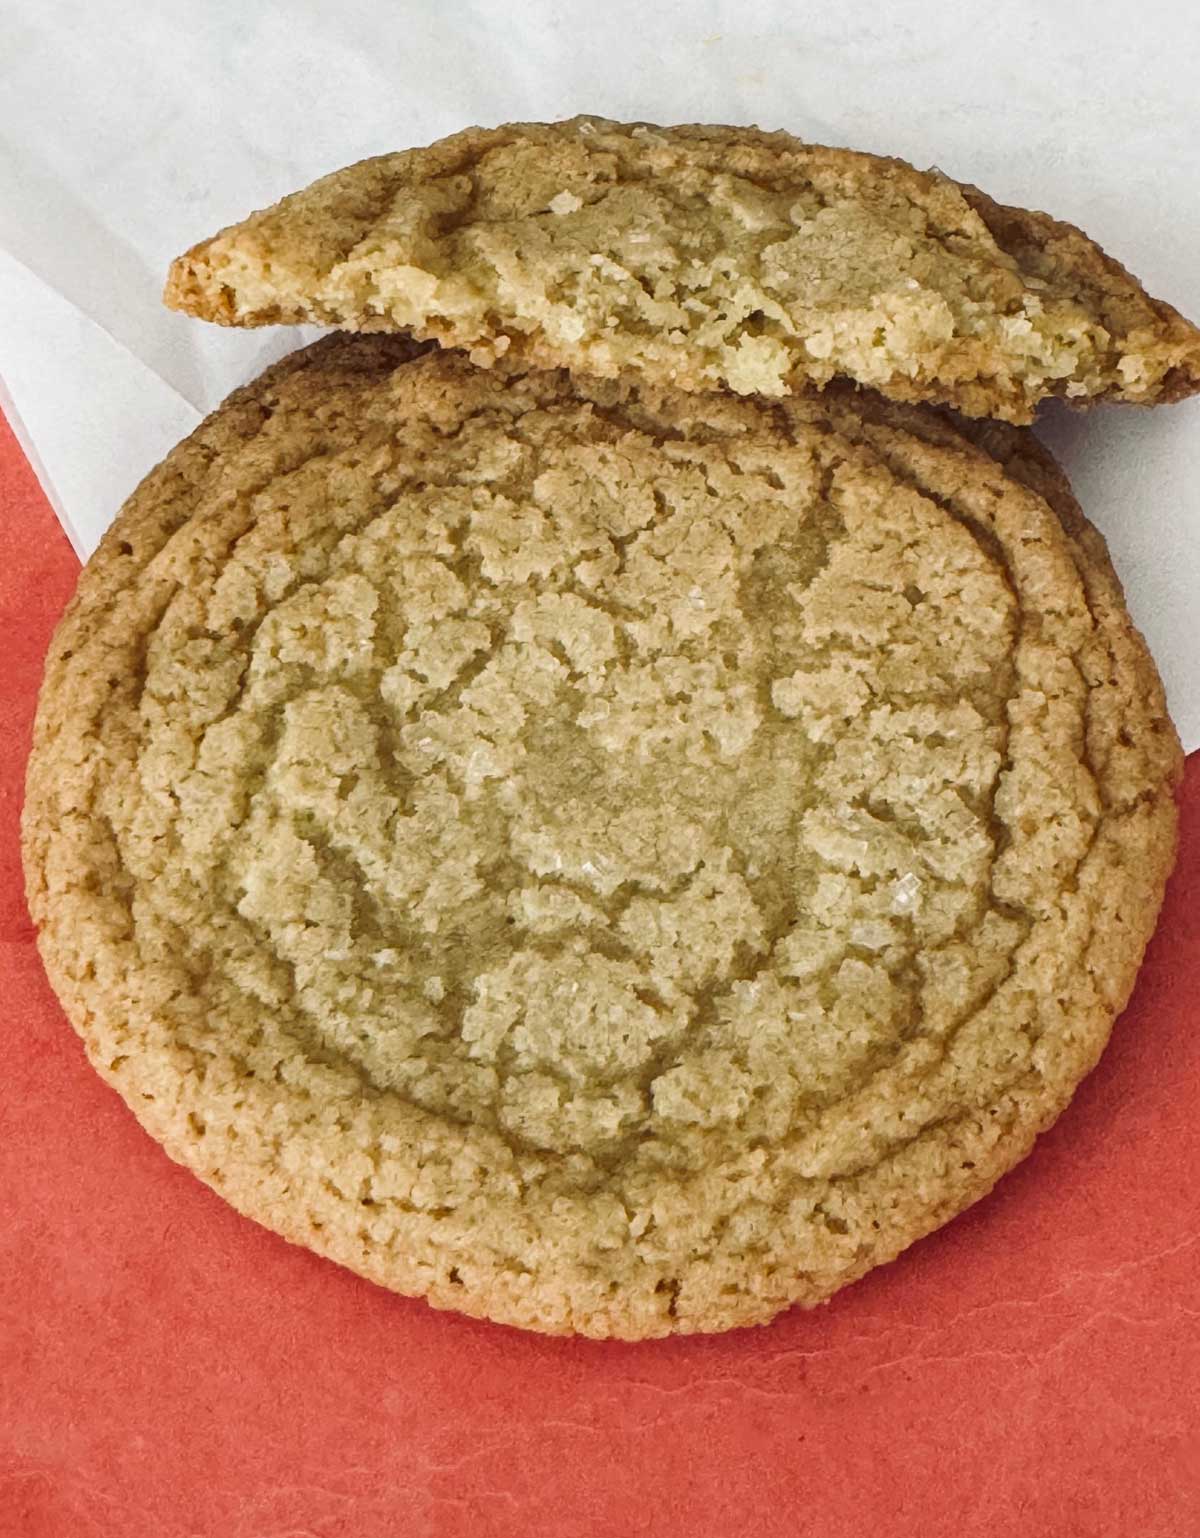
[{"x": 599, "y": 858}]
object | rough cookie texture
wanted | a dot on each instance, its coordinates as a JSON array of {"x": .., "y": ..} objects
[
  {"x": 702, "y": 257},
  {"x": 599, "y": 858}
]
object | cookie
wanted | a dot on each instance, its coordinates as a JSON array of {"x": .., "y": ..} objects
[
  {"x": 702, "y": 258},
  {"x": 596, "y": 857}
]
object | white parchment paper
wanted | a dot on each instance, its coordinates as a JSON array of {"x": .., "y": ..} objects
[{"x": 131, "y": 128}]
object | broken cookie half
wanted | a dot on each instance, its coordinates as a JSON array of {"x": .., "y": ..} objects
[{"x": 703, "y": 258}]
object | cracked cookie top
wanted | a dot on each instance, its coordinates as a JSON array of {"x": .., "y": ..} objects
[
  {"x": 600, "y": 858},
  {"x": 702, "y": 257}
]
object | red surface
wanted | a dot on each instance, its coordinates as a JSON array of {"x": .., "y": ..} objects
[{"x": 168, "y": 1370}]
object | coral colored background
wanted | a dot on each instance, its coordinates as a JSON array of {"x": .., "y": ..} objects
[{"x": 168, "y": 1370}]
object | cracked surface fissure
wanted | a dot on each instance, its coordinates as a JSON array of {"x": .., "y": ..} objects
[
  {"x": 451, "y": 790},
  {"x": 568, "y": 803}
]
